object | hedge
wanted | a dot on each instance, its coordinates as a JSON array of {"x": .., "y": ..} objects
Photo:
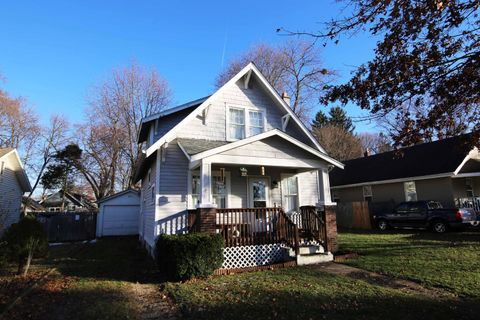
[{"x": 181, "y": 257}]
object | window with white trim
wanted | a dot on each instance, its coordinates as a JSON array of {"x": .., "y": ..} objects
[
  {"x": 236, "y": 126},
  {"x": 243, "y": 122},
  {"x": 367, "y": 193},
  {"x": 290, "y": 193},
  {"x": 410, "y": 191},
  {"x": 219, "y": 190}
]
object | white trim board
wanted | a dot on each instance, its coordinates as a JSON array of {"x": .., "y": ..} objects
[
  {"x": 432, "y": 176},
  {"x": 170, "y": 135}
]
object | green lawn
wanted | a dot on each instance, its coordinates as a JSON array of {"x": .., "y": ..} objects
[
  {"x": 304, "y": 293},
  {"x": 450, "y": 261}
]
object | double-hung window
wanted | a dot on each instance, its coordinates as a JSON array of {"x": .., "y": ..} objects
[
  {"x": 236, "y": 124},
  {"x": 219, "y": 189},
  {"x": 244, "y": 122},
  {"x": 290, "y": 193}
]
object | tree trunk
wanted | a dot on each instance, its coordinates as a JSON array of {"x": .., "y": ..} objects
[{"x": 27, "y": 265}]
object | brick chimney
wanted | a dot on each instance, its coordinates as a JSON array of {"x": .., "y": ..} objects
[{"x": 286, "y": 98}]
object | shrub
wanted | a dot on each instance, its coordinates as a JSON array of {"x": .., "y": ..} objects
[
  {"x": 181, "y": 257},
  {"x": 23, "y": 241}
]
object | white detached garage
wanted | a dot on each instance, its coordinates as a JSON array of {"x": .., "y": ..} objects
[{"x": 119, "y": 214}]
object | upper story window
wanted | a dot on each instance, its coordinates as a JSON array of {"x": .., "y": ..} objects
[
  {"x": 367, "y": 193},
  {"x": 244, "y": 122}
]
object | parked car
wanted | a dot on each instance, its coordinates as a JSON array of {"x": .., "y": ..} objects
[{"x": 425, "y": 214}]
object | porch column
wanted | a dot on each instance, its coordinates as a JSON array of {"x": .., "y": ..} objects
[
  {"x": 206, "y": 185},
  {"x": 206, "y": 210},
  {"x": 324, "y": 182}
]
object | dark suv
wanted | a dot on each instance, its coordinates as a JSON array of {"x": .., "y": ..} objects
[{"x": 424, "y": 214}]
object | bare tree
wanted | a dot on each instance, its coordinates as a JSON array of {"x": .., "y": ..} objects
[
  {"x": 19, "y": 126},
  {"x": 295, "y": 67},
  {"x": 109, "y": 138},
  {"x": 374, "y": 142},
  {"x": 52, "y": 138},
  {"x": 339, "y": 143}
]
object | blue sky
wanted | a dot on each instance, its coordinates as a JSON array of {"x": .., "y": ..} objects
[{"x": 52, "y": 52}]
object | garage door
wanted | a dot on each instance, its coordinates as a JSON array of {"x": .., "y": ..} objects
[{"x": 120, "y": 220}]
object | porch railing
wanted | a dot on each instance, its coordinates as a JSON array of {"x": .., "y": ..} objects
[
  {"x": 251, "y": 226},
  {"x": 248, "y": 226},
  {"x": 472, "y": 202}
]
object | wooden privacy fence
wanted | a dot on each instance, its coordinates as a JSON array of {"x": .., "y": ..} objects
[
  {"x": 69, "y": 226},
  {"x": 354, "y": 215}
]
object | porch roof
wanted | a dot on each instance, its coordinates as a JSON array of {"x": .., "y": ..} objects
[
  {"x": 195, "y": 146},
  {"x": 201, "y": 149}
]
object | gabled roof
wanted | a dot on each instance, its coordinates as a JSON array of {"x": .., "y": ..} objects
[
  {"x": 246, "y": 71},
  {"x": 433, "y": 159},
  {"x": 20, "y": 173},
  {"x": 176, "y": 114},
  {"x": 77, "y": 199},
  {"x": 119, "y": 194},
  {"x": 261, "y": 136}
]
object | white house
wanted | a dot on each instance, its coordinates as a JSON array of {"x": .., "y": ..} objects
[
  {"x": 13, "y": 184},
  {"x": 238, "y": 162}
]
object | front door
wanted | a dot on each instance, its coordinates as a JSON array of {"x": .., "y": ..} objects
[{"x": 258, "y": 192}]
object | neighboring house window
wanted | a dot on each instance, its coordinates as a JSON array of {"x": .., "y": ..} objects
[
  {"x": 219, "y": 190},
  {"x": 71, "y": 207},
  {"x": 290, "y": 193},
  {"x": 469, "y": 187},
  {"x": 244, "y": 122},
  {"x": 410, "y": 191},
  {"x": 367, "y": 193}
]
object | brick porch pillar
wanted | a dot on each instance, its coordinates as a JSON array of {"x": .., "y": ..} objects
[
  {"x": 207, "y": 219},
  {"x": 331, "y": 226}
]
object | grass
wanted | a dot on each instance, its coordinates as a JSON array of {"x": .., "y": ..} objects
[
  {"x": 303, "y": 293},
  {"x": 91, "y": 281},
  {"x": 450, "y": 261}
]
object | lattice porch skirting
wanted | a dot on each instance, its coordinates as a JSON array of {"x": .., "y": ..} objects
[{"x": 252, "y": 256}]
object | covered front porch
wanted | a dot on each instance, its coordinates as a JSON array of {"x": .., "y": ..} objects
[{"x": 261, "y": 196}]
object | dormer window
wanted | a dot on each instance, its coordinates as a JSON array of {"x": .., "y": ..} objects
[{"x": 244, "y": 122}]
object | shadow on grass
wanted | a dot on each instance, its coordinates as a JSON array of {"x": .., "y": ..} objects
[
  {"x": 316, "y": 296},
  {"x": 115, "y": 258},
  {"x": 71, "y": 299}
]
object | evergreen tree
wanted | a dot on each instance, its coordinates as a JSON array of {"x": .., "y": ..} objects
[{"x": 337, "y": 117}]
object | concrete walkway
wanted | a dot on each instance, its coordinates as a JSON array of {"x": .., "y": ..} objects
[{"x": 384, "y": 281}]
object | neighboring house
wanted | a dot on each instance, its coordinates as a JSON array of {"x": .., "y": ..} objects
[
  {"x": 445, "y": 170},
  {"x": 13, "y": 184},
  {"x": 242, "y": 147},
  {"x": 31, "y": 205},
  {"x": 71, "y": 202}
]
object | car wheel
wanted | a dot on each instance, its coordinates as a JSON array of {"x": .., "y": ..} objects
[
  {"x": 382, "y": 224},
  {"x": 439, "y": 226}
]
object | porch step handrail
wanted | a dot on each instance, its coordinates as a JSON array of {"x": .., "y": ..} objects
[{"x": 312, "y": 224}]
